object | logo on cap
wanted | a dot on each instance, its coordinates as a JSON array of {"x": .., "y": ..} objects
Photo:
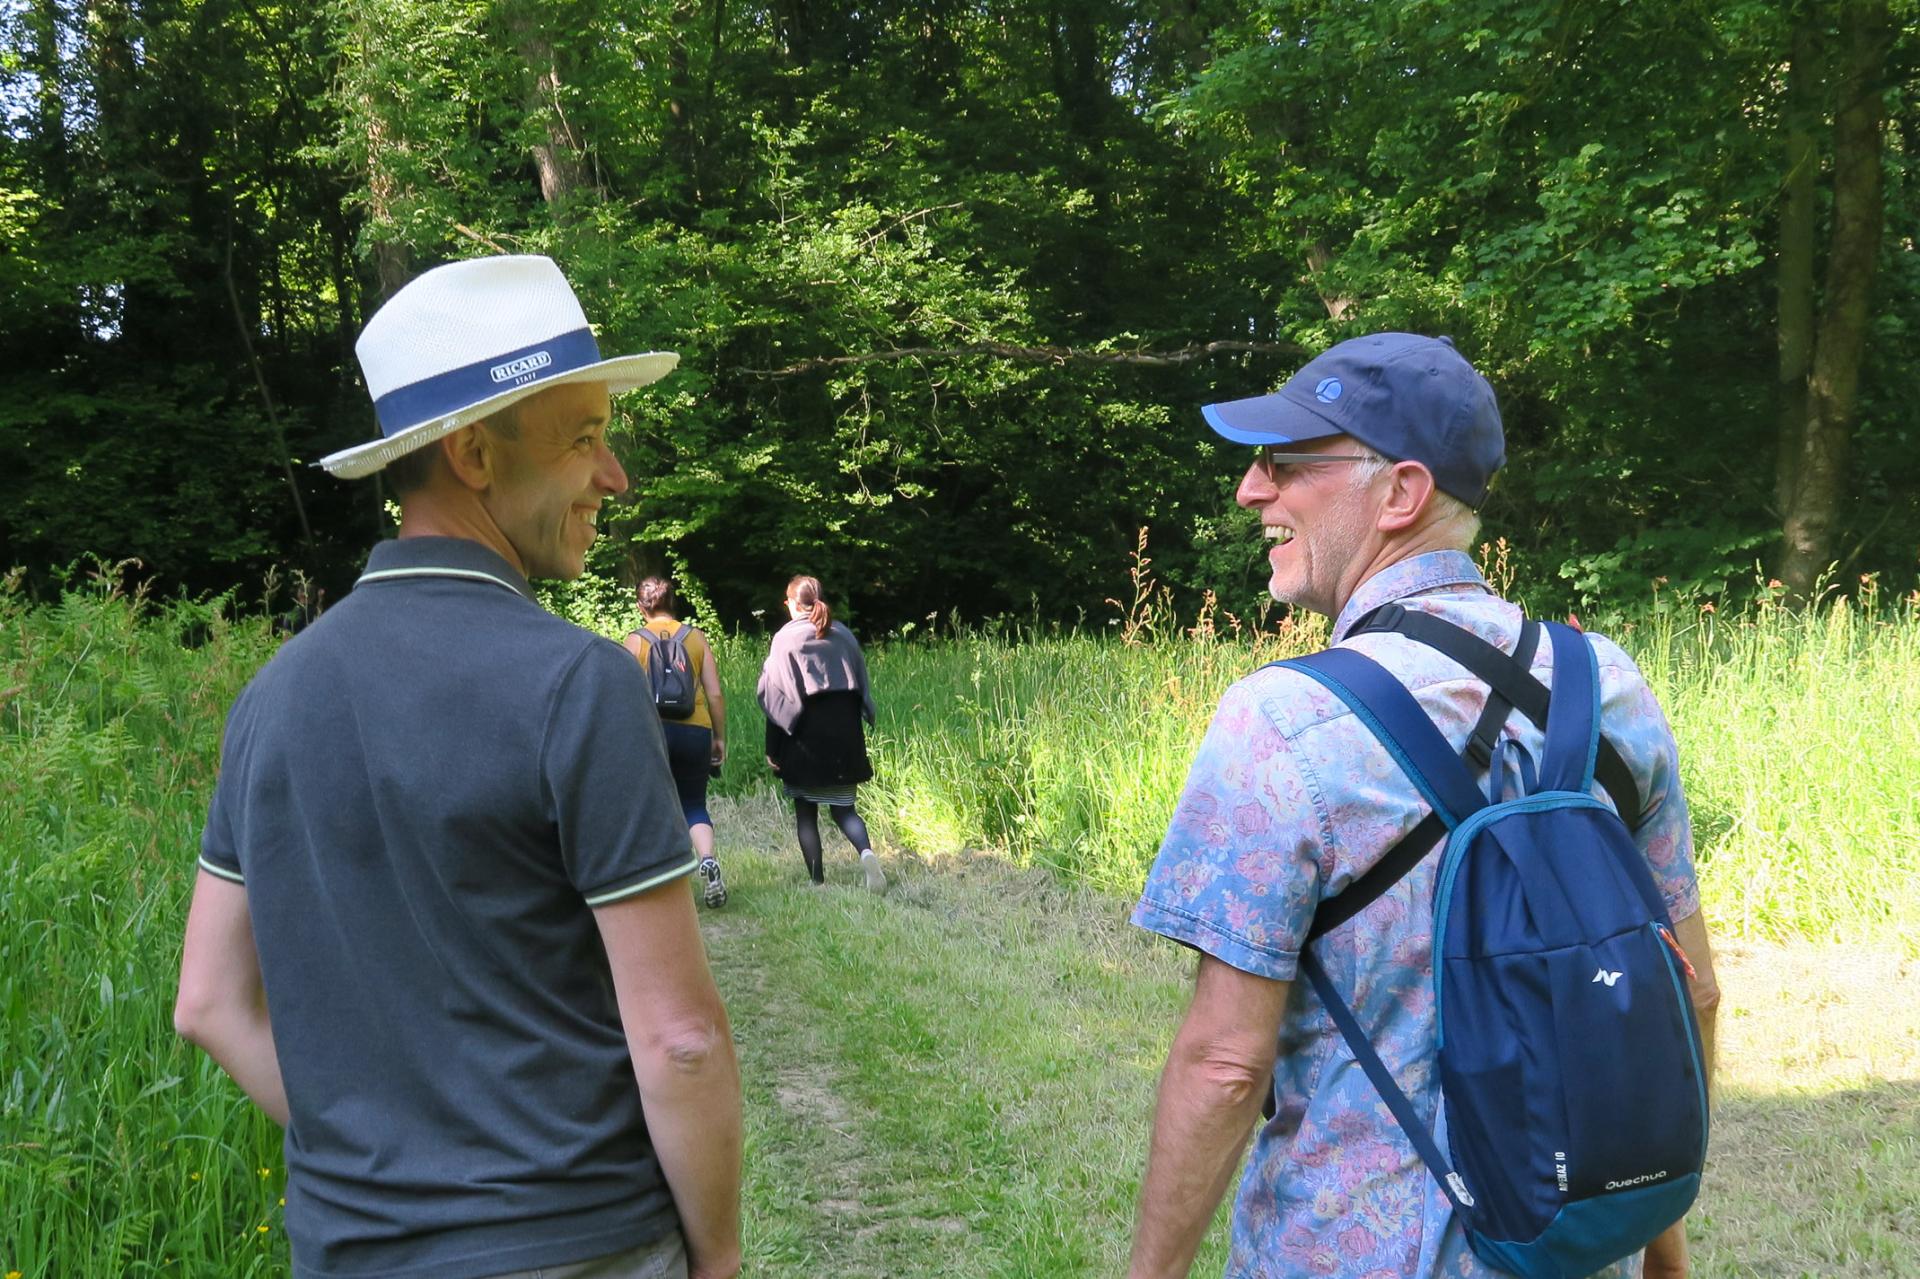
[
  {"x": 1328, "y": 391},
  {"x": 521, "y": 367}
]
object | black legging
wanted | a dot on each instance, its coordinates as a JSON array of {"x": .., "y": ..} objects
[{"x": 806, "y": 819}]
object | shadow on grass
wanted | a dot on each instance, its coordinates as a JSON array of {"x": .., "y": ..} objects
[{"x": 1817, "y": 1184}]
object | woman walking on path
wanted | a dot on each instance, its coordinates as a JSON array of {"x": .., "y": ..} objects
[
  {"x": 696, "y": 745},
  {"x": 814, "y": 691}
]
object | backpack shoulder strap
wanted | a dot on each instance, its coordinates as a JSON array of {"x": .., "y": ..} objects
[
  {"x": 1383, "y": 1082},
  {"x": 681, "y": 634},
  {"x": 1417, "y": 843},
  {"x": 1493, "y": 716},
  {"x": 1393, "y": 716},
  {"x": 1511, "y": 680},
  {"x": 1573, "y": 732}
]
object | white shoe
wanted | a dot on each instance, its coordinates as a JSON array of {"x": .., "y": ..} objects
[
  {"x": 716, "y": 891},
  {"x": 876, "y": 878}
]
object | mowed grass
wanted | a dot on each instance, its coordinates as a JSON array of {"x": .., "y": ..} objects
[{"x": 954, "y": 1079}]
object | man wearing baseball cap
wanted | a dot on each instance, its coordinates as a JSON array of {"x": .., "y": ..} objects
[
  {"x": 441, "y": 930},
  {"x": 1369, "y": 466}
]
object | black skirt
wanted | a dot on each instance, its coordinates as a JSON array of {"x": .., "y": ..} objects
[{"x": 828, "y": 746}]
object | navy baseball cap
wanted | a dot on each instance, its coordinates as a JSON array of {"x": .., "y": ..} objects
[{"x": 1411, "y": 398}]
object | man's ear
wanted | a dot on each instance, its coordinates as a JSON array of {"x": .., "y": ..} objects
[
  {"x": 470, "y": 456},
  {"x": 1409, "y": 493}
]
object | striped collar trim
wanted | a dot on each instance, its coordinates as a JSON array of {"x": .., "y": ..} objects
[{"x": 470, "y": 574}]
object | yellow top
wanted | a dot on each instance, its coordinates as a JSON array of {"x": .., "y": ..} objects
[{"x": 697, "y": 657}]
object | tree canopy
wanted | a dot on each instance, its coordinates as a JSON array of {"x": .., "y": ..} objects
[{"x": 951, "y": 278}]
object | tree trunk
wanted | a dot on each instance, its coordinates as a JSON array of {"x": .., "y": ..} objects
[
  {"x": 560, "y": 155},
  {"x": 1319, "y": 257},
  {"x": 1795, "y": 267},
  {"x": 44, "y": 21},
  {"x": 1811, "y": 522}
]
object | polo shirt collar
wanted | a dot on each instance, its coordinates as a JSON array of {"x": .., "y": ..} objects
[
  {"x": 406, "y": 558},
  {"x": 1415, "y": 576}
]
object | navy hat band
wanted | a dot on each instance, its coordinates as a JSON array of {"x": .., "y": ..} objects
[{"x": 456, "y": 389}]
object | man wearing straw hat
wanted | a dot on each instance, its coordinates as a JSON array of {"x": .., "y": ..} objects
[{"x": 441, "y": 929}]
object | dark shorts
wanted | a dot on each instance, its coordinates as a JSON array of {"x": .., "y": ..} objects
[{"x": 689, "y": 755}]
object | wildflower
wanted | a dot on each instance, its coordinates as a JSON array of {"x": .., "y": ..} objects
[
  {"x": 13, "y": 1274},
  {"x": 262, "y": 1228},
  {"x": 264, "y": 1173},
  {"x": 193, "y": 1176},
  {"x": 1707, "y": 607}
]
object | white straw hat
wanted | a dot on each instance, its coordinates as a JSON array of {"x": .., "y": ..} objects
[{"x": 467, "y": 339}]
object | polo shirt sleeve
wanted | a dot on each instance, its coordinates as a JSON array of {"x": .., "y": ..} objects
[
  {"x": 603, "y": 766},
  {"x": 219, "y": 848},
  {"x": 1238, "y": 874}
]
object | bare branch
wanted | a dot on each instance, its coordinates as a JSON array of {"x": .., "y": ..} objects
[
  {"x": 478, "y": 238},
  {"x": 1037, "y": 355}
]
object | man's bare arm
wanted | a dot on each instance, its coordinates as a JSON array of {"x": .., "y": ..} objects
[
  {"x": 683, "y": 1058},
  {"x": 222, "y": 1004},
  {"x": 1667, "y": 1255},
  {"x": 1216, "y": 1076}
]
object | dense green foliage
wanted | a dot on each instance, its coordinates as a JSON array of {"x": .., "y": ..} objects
[{"x": 201, "y": 201}]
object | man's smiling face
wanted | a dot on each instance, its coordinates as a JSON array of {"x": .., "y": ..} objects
[
  {"x": 550, "y": 479},
  {"x": 1319, "y": 516}
]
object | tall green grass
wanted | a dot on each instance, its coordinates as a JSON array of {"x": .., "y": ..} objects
[
  {"x": 1799, "y": 738},
  {"x": 1800, "y": 752},
  {"x": 123, "y": 1152}
]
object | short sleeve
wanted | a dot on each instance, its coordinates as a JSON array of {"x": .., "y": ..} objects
[
  {"x": 1638, "y": 729},
  {"x": 604, "y": 770},
  {"x": 1238, "y": 874},
  {"x": 219, "y": 850}
]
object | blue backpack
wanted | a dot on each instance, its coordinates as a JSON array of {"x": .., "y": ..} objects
[{"x": 1569, "y": 1055}]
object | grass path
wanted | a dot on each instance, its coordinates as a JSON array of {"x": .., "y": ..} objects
[
  {"x": 955, "y": 1079},
  {"x": 948, "y": 1080}
]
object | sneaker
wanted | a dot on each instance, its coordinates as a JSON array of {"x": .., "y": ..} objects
[
  {"x": 876, "y": 879},
  {"x": 716, "y": 891}
]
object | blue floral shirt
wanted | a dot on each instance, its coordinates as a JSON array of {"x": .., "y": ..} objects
[{"x": 1290, "y": 799}]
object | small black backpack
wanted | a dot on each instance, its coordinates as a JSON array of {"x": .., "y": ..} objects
[{"x": 670, "y": 672}]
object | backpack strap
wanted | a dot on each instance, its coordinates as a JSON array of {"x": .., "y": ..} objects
[
  {"x": 1512, "y": 680},
  {"x": 1419, "y": 841},
  {"x": 1573, "y": 734},
  {"x": 1486, "y": 730},
  {"x": 1404, "y": 1114},
  {"x": 1392, "y": 715}
]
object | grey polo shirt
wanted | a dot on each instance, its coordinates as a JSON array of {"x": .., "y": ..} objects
[{"x": 425, "y": 794}]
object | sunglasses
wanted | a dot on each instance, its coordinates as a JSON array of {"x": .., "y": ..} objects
[{"x": 1273, "y": 461}]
